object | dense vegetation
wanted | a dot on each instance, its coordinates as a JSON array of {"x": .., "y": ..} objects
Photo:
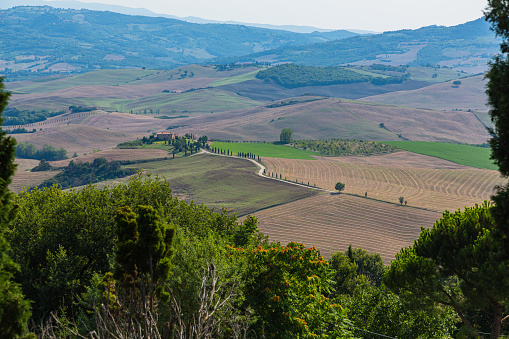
[
  {"x": 78, "y": 174},
  {"x": 14, "y": 116},
  {"x": 224, "y": 277},
  {"x": 339, "y": 147},
  {"x": 48, "y": 152},
  {"x": 292, "y": 75}
]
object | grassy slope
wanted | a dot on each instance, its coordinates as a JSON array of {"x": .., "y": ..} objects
[
  {"x": 102, "y": 77},
  {"x": 266, "y": 150},
  {"x": 469, "y": 95},
  {"x": 222, "y": 181},
  {"x": 235, "y": 79},
  {"x": 200, "y": 101},
  {"x": 461, "y": 154}
]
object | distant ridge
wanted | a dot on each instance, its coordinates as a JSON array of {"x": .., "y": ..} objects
[{"x": 145, "y": 12}]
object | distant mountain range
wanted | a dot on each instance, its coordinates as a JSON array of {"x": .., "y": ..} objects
[
  {"x": 47, "y": 39},
  {"x": 145, "y": 12},
  {"x": 38, "y": 38},
  {"x": 467, "y": 47}
]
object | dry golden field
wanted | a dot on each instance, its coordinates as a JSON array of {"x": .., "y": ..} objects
[
  {"x": 27, "y": 179},
  {"x": 332, "y": 222},
  {"x": 116, "y": 154},
  {"x": 423, "y": 181},
  {"x": 76, "y": 138}
]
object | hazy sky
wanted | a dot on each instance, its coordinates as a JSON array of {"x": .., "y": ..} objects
[{"x": 376, "y": 15}]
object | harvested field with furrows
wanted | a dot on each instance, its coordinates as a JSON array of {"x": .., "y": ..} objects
[
  {"x": 439, "y": 185},
  {"x": 128, "y": 123},
  {"x": 25, "y": 179},
  {"x": 333, "y": 118},
  {"x": 76, "y": 138},
  {"x": 116, "y": 154},
  {"x": 332, "y": 222}
]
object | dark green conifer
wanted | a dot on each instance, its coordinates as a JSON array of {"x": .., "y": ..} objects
[{"x": 14, "y": 309}]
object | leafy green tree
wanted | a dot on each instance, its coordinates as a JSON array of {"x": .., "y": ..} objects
[
  {"x": 377, "y": 309},
  {"x": 345, "y": 274},
  {"x": 61, "y": 238},
  {"x": 401, "y": 200},
  {"x": 286, "y": 289},
  {"x": 339, "y": 187},
  {"x": 459, "y": 262},
  {"x": 286, "y": 136},
  {"x": 14, "y": 309},
  {"x": 368, "y": 264}
]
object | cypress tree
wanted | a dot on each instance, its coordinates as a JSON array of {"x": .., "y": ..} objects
[{"x": 14, "y": 309}]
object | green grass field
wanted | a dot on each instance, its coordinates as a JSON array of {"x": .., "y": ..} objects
[
  {"x": 199, "y": 101},
  {"x": 235, "y": 79},
  {"x": 460, "y": 154},
  {"x": 101, "y": 77},
  {"x": 267, "y": 150},
  {"x": 442, "y": 74},
  {"x": 219, "y": 182}
]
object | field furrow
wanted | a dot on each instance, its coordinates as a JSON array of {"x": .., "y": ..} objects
[
  {"x": 437, "y": 188},
  {"x": 332, "y": 222}
]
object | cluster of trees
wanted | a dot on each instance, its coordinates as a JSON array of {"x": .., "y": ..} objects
[
  {"x": 20, "y": 131},
  {"x": 389, "y": 68},
  {"x": 131, "y": 144},
  {"x": 48, "y": 152},
  {"x": 285, "y": 137},
  {"x": 79, "y": 174},
  {"x": 339, "y": 147},
  {"x": 78, "y": 109},
  {"x": 14, "y": 116},
  {"x": 292, "y": 75}
]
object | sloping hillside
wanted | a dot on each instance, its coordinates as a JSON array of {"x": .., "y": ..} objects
[
  {"x": 470, "y": 94},
  {"x": 333, "y": 118},
  {"x": 50, "y": 39},
  {"x": 467, "y": 46}
]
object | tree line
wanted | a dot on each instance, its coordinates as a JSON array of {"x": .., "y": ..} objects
[
  {"x": 340, "y": 147},
  {"x": 14, "y": 116},
  {"x": 79, "y": 174},
  {"x": 47, "y": 152}
]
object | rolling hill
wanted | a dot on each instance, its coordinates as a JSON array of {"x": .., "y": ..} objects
[
  {"x": 470, "y": 94},
  {"x": 467, "y": 46},
  {"x": 50, "y": 40}
]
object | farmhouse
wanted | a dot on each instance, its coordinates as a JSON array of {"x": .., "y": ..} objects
[{"x": 166, "y": 135}]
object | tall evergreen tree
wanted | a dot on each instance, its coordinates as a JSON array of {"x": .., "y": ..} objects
[
  {"x": 497, "y": 14},
  {"x": 14, "y": 309}
]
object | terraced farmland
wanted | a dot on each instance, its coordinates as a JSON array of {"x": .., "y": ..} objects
[
  {"x": 332, "y": 222},
  {"x": 444, "y": 186}
]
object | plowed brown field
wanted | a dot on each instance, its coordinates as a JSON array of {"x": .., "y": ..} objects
[
  {"x": 332, "y": 222},
  {"x": 439, "y": 185}
]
